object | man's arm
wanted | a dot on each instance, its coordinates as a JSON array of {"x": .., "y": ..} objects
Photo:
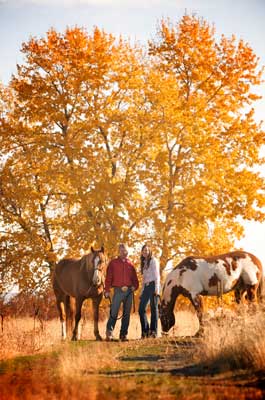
[
  {"x": 109, "y": 275},
  {"x": 135, "y": 281}
]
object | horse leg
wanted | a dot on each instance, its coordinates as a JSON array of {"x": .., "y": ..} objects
[
  {"x": 252, "y": 293},
  {"x": 60, "y": 303},
  {"x": 240, "y": 295},
  {"x": 237, "y": 296},
  {"x": 70, "y": 313},
  {"x": 78, "y": 307},
  {"x": 61, "y": 308},
  {"x": 198, "y": 306},
  {"x": 252, "y": 297},
  {"x": 96, "y": 301}
]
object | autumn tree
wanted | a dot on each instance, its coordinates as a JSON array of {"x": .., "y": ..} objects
[
  {"x": 71, "y": 143},
  {"x": 102, "y": 143},
  {"x": 202, "y": 175}
]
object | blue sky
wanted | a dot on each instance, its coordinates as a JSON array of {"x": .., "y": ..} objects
[{"x": 137, "y": 19}]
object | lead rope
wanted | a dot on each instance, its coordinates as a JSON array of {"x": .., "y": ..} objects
[{"x": 133, "y": 302}]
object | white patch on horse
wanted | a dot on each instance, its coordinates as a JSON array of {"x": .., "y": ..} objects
[
  {"x": 171, "y": 281},
  {"x": 188, "y": 280},
  {"x": 64, "y": 330},
  {"x": 249, "y": 271},
  {"x": 213, "y": 276},
  {"x": 96, "y": 280},
  {"x": 79, "y": 332}
]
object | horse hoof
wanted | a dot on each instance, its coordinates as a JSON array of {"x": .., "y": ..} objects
[
  {"x": 74, "y": 339},
  {"x": 99, "y": 339}
]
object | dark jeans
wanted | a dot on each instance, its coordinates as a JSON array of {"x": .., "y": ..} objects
[
  {"x": 147, "y": 296},
  {"x": 126, "y": 299}
]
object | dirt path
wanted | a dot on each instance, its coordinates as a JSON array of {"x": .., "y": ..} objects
[{"x": 150, "y": 369}]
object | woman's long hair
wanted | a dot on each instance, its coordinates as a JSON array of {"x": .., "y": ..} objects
[{"x": 143, "y": 258}]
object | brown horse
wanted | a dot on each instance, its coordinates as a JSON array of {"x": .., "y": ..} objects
[
  {"x": 74, "y": 281},
  {"x": 194, "y": 277}
]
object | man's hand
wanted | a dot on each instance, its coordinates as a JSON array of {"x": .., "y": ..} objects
[
  {"x": 107, "y": 295},
  {"x": 132, "y": 288}
]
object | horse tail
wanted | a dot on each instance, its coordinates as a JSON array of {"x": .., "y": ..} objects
[{"x": 260, "y": 293}]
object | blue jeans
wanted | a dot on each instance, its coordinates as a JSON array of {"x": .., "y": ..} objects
[
  {"x": 118, "y": 298},
  {"x": 147, "y": 296}
]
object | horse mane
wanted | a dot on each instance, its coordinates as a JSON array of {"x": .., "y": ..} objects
[
  {"x": 85, "y": 261},
  {"x": 88, "y": 257}
]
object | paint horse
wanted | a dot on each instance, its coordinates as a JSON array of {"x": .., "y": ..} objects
[
  {"x": 210, "y": 276},
  {"x": 74, "y": 281}
]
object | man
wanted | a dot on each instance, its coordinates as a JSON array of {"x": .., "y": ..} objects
[{"x": 121, "y": 275}]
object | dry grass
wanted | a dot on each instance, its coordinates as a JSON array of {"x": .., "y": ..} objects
[
  {"x": 24, "y": 336},
  {"x": 232, "y": 340},
  {"x": 235, "y": 340},
  {"x": 107, "y": 356},
  {"x": 76, "y": 362}
]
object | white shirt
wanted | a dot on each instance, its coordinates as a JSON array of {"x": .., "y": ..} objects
[{"x": 152, "y": 273}]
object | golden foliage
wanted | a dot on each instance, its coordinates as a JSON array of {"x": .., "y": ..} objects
[{"x": 101, "y": 143}]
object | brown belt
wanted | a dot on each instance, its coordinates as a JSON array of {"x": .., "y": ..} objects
[{"x": 149, "y": 283}]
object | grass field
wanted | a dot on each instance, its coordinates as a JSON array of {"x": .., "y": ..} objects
[{"x": 227, "y": 362}]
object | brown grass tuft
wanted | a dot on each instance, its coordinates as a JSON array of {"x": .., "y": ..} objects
[
  {"x": 75, "y": 362},
  {"x": 235, "y": 341},
  {"x": 24, "y": 336}
]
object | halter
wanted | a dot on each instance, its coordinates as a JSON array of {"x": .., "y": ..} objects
[
  {"x": 100, "y": 263},
  {"x": 99, "y": 267}
]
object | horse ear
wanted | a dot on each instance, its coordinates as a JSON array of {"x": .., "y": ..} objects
[
  {"x": 102, "y": 249},
  {"x": 92, "y": 249}
]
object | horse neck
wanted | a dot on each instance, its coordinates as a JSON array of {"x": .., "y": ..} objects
[
  {"x": 90, "y": 269},
  {"x": 171, "y": 304},
  {"x": 86, "y": 263},
  {"x": 173, "y": 300}
]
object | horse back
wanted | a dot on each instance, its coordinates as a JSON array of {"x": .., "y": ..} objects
[
  {"x": 206, "y": 275},
  {"x": 237, "y": 265}
]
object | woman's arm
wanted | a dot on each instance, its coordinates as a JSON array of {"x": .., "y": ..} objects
[{"x": 156, "y": 272}]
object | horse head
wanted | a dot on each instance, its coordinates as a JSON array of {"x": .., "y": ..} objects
[
  {"x": 99, "y": 266},
  {"x": 167, "y": 303}
]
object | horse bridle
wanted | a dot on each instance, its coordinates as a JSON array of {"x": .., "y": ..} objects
[
  {"x": 96, "y": 268},
  {"x": 100, "y": 264}
]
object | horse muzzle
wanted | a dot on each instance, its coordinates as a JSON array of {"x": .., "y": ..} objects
[{"x": 97, "y": 282}]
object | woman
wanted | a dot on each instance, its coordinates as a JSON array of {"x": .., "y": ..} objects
[{"x": 150, "y": 292}]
